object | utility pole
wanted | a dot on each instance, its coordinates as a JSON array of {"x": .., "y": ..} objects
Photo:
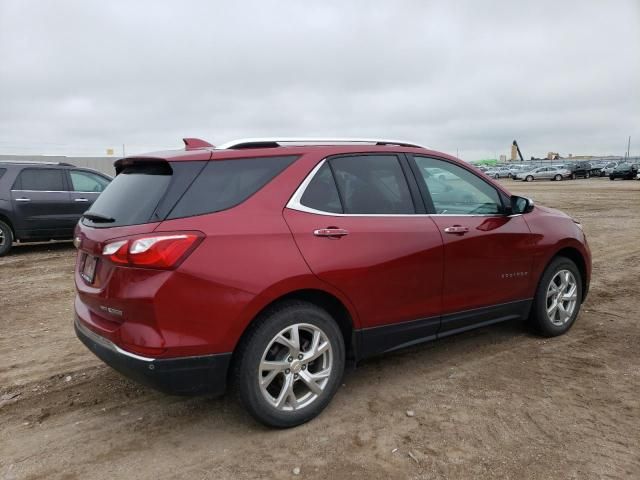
[
  {"x": 123, "y": 151},
  {"x": 628, "y": 146}
]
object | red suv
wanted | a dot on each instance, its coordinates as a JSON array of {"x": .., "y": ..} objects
[{"x": 271, "y": 264}]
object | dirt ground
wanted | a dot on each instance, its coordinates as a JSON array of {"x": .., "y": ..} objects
[{"x": 494, "y": 403}]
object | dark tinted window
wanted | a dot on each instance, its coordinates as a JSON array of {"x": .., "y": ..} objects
[
  {"x": 40, "y": 179},
  {"x": 321, "y": 193},
  {"x": 2, "y": 170},
  {"x": 372, "y": 184},
  {"x": 133, "y": 195},
  {"x": 226, "y": 183}
]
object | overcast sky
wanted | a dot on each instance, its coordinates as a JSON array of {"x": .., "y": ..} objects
[{"x": 78, "y": 77}]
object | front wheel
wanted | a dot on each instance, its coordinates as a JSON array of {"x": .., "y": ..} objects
[
  {"x": 587, "y": 175},
  {"x": 558, "y": 178},
  {"x": 558, "y": 298},
  {"x": 6, "y": 238},
  {"x": 529, "y": 178},
  {"x": 290, "y": 364}
]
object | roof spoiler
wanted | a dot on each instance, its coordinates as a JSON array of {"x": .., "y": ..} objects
[{"x": 195, "y": 144}]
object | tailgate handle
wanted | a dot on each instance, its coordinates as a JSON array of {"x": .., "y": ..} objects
[
  {"x": 23, "y": 199},
  {"x": 330, "y": 232},
  {"x": 80, "y": 199},
  {"x": 456, "y": 229}
]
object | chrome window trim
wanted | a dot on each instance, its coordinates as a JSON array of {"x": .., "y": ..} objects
[
  {"x": 49, "y": 191},
  {"x": 295, "y": 204}
]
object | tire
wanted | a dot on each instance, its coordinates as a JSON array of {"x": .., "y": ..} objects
[
  {"x": 573, "y": 176},
  {"x": 611, "y": 178},
  {"x": 260, "y": 344},
  {"x": 529, "y": 178},
  {"x": 557, "y": 178},
  {"x": 496, "y": 176},
  {"x": 587, "y": 175},
  {"x": 546, "y": 320},
  {"x": 6, "y": 238}
]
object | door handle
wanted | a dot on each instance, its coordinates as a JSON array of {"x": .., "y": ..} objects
[
  {"x": 330, "y": 232},
  {"x": 456, "y": 229},
  {"x": 23, "y": 199},
  {"x": 80, "y": 199}
]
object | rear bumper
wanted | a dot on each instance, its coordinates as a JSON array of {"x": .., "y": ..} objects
[{"x": 185, "y": 375}]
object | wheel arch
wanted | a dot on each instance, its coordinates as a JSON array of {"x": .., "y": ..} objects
[
  {"x": 5, "y": 218},
  {"x": 576, "y": 257},
  {"x": 322, "y": 299}
]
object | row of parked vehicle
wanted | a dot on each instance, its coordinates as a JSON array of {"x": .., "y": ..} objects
[{"x": 563, "y": 171}]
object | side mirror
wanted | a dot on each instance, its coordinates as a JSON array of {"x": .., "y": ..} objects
[{"x": 520, "y": 205}]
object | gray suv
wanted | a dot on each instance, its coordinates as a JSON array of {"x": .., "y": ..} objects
[{"x": 43, "y": 201}]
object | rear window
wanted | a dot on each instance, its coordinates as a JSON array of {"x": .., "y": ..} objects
[
  {"x": 226, "y": 183},
  {"x": 152, "y": 192},
  {"x": 132, "y": 196}
]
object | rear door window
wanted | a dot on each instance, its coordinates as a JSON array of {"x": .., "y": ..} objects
[
  {"x": 372, "y": 184},
  {"x": 40, "y": 180},
  {"x": 223, "y": 184}
]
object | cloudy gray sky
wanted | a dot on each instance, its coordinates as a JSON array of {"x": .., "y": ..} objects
[{"x": 77, "y": 77}]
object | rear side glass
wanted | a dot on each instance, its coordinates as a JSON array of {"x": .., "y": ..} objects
[
  {"x": 132, "y": 196},
  {"x": 40, "y": 179},
  {"x": 87, "y": 181},
  {"x": 223, "y": 184},
  {"x": 322, "y": 193},
  {"x": 2, "y": 170},
  {"x": 372, "y": 184}
]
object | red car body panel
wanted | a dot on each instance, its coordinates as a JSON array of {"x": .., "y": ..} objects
[{"x": 389, "y": 270}]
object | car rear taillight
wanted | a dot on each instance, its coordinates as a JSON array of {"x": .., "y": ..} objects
[{"x": 152, "y": 251}]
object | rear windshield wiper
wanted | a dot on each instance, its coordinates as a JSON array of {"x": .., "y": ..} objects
[{"x": 98, "y": 218}]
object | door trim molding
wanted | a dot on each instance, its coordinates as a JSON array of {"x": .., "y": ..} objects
[{"x": 388, "y": 338}]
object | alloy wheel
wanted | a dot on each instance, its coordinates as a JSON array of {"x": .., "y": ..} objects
[
  {"x": 295, "y": 367},
  {"x": 562, "y": 297}
]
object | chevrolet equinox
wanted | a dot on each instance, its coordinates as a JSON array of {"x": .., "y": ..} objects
[{"x": 270, "y": 264}]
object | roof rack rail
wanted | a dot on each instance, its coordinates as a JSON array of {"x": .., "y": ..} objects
[
  {"x": 37, "y": 162},
  {"x": 279, "y": 142}
]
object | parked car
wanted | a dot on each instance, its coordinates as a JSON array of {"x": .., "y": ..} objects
[
  {"x": 582, "y": 170},
  {"x": 42, "y": 201},
  {"x": 544, "y": 173},
  {"x": 624, "y": 171},
  {"x": 499, "y": 172},
  {"x": 608, "y": 168},
  {"x": 272, "y": 264}
]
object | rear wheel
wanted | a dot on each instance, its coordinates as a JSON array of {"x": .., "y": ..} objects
[
  {"x": 587, "y": 175},
  {"x": 557, "y": 178},
  {"x": 6, "y": 238},
  {"x": 558, "y": 298},
  {"x": 290, "y": 364},
  {"x": 496, "y": 176}
]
